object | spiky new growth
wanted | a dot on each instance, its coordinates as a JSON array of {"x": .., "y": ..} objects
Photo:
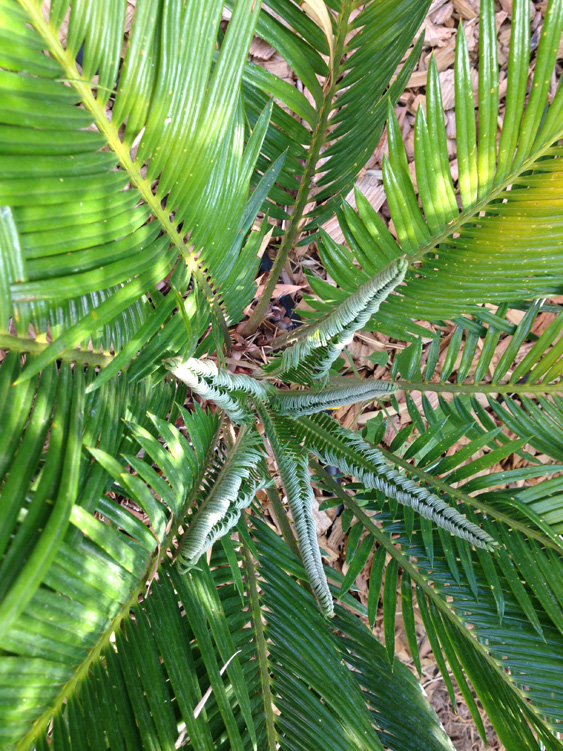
[
  {"x": 235, "y": 484},
  {"x": 309, "y": 401},
  {"x": 217, "y": 385},
  {"x": 232, "y": 483},
  {"x": 229, "y": 391},
  {"x": 348, "y": 451},
  {"x": 328, "y": 336},
  {"x": 294, "y": 473},
  {"x": 313, "y": 350}
]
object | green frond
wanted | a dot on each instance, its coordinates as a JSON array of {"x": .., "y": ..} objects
[
  {"x": 181, "y": 639},
  {"x": 357, "y": 87},
  {"x": 57, "y": 556},
  {"x": 474, "y": 593},
  {"x": 202, "y": 670},
  {"x": 474, "y": 342},
  {"x": 326, "y": 669},
  {"x": 345, "y": 120},
  {"x": 470, "y": 595},
  {"x": 521, "y": 407},
  {"x": 108, "y": 241},
  {"x": 487, "y": 250},
  {"x": 181, "y": 465}
]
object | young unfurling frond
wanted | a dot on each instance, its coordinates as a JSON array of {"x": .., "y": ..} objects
[
  {"x": 328, "y": 336},
  {"x": 235, "y": 481},
  {"x": 220, "y": 377},
  {"x": 294, "y": 473},
  {"x": 227, "y": 390},
  {"x": 297, "y": 403},
  {"x": 232, "y": 490},
  {"x": 348, "y": 451}
]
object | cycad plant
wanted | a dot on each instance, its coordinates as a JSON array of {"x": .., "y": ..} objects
[{"x": 145, "y": 600}]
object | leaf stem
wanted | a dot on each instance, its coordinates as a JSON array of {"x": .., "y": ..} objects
[
  {"x": 261, "y": 647},
  {"x": 85, "y": 357},
  {"x": 285, "y": 526},
  {"x": 310, "y": 169},
  {"x": 482, "y": 388}
]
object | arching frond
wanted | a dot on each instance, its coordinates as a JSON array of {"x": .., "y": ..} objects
[
  {"x": 462, "y": 594},
  {"x": 489, "y": 249},
  {"x": 349, "y": 644},
  {"x": 205, "y": 679},
  {"x": 111, "y": 227},
  {"x": 193, "y": 685},
  {"x": 343, "y": 119},
  {"x": 59, "y": 557},
  {"x": 507, "y": 409}
]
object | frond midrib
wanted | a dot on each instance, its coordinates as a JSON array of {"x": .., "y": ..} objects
[
  {"x": 481, "y": 388},
  {"x": 261, "y": 646},
  {"x": 36, "y": 347},
  {"x": 106, "y": 127},
  {"x": 310, "y": 167}
]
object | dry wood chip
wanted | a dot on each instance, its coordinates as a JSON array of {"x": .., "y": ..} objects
[
  {"x": 465, "y": 9},
  {"x": 279, "y": 67},
  {"x": 444, "y": 59},
  {"x": 436, "y": 5},
  {"x": 500, "y": 18},
  {"x": 322, "y": 519},
  {"x": 434, "y": 35},
  {"x": 261, "y": 49},
  {"x": 442, "y": 15},
  {"x": 447, "y": 84}
]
